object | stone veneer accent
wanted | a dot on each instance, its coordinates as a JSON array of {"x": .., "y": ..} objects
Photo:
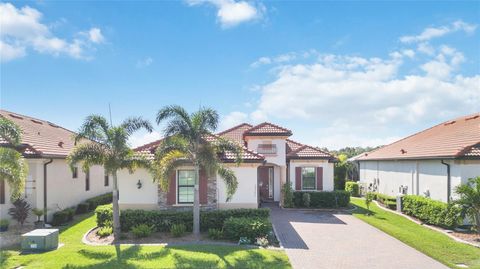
[{"x": 211, "y": 198}]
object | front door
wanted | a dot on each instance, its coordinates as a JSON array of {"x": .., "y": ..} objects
[{"x": 265, "y": 183}]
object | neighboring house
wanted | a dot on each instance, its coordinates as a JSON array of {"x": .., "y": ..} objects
[
  {"x": 50, "y": 183},
  {"x": 429, "y": 163},
  {"x": 269, "y": 160}
]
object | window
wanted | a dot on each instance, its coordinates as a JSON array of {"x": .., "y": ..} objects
[
  {"x": 186, "y": 185},
  {"x": 75, "y": 172},
  {"x": 87, "y": 180},
  {"x": 267, "y": 149},
  {"x": 106, "y": 180},
  {"x": 308, "y": 178},
  {"x": 2, "y": 192}
]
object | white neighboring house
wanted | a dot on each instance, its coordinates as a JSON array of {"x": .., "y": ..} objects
[
  {"x": 429, "y": 163},
  {"x": 269, "y": 160},
  {"x": 50, "y": 183}
]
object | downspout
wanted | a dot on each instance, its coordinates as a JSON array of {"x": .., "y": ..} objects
[
  {"x": 45, "y": 188},
  {"x": 448, "y": 180}
]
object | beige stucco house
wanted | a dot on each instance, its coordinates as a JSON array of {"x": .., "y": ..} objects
[
  {"x": 270, "y": 159},
  {"x": 50, "y": 183}
]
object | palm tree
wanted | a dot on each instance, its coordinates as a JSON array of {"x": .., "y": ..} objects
[
  {"x": 13, "y": 167},
  {"x": 108, "y": 146},
  {"x": 189, "y": 138},
  {"x": 469, "y": 199}
]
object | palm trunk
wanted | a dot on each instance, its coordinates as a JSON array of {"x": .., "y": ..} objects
[
  {"x": 116, "y": 212},
  {"x": 196, "y": 204},
  {"x": 477, "y": 220}
]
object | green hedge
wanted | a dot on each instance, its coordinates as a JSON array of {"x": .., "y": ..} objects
[
  {"x": 63, "y": 216},
  {"x": 234, "y": 228},
  {"x": 163, "y": 220},
  {"x": 103, "y": 199},
  {"x": 323, "y": 199},
  {"x": 430, "y": 211},
  {"x": 352, "y": 188},
  {"x": 386, "y": 200},
  {"x": 104, "y": 214}
]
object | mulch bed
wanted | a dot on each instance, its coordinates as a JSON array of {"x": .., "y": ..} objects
[{"x": 471, "y": 237}]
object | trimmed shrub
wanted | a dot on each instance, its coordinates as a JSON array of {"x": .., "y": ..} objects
[
  {"x": 99, "y": 200},
  {"x": 142, "y": 230},
  {"x": 352, "y": 188},
  {"x": 70, "y": 213},
  {"x": 163, "y": 220},
  {"x": 215, "y": 234},
  {"x": 386, "y": 200},
  {"x": 105, "y": 231},
  {"x": 306, "y": 199},
  {"x": 287, "y": 192},
  {"x": 82, "y": 208},
  {"x": 60, "y": 217},
  {"x": 251, "y": 228},
  {"x": 104, "y": 215},
  {"x": 323, "y": 199},
  {"x": 432, "y": 212},
  {"x": 178, "y": 230}
]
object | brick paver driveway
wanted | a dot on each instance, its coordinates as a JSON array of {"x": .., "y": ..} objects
[{"x": 315, "y": 239}]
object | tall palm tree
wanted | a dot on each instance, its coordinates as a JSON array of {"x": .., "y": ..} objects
[
  {"x": 108, "y": 146},
  {"x": 13, "y": 167},
  {"x": 189, "y": 138},
  {"x": 469, "y": 199}
]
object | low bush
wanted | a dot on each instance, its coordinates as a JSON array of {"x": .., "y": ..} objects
[
  {"x": 178, "y": 230},
  {"x": 105, "y": 231},
  {"x": 251, "y": 228},
  {"x": 104, "y": 215},
  {"x": 262, "y": 241},
  {"x": 142, "y": 230},
  {"x": 163, "y": 220},
  {"x": 386, "y": 200},
  {"x": 99, "y": 200},
  {"x": 287, "y": 192},
  {"x": 82, "y": 208},
  {"x": 70, "y": 213},
  {"x": 430, "y": 211},
  {"x": 60, "y": 217},
  {"x": 352, "y": 188},
  {"x": 215, "y": 234},
  {"x": 306, "y": 199},
  {"x": 4, "y": 223},
  {"x": 323, "y": 199}
]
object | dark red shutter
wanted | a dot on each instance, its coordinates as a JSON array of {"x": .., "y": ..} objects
[
  {"x": 2, "y": 192},
  {"x": 172, "y": 189},
  {"x": 320, "y": 178},
  {"x": 298, "y": 178},
  {"x": 203, "y": 187}
]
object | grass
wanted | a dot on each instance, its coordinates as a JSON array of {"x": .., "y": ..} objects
[
  {"x": 75, "y": 254},
  {"x": 434, "y": 244}
]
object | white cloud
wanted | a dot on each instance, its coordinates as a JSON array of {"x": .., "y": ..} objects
[
  {"x": 22, "y": 29},
  {"x": 231, "y": 13},
  {"x": 232, "y": 119},
  {"x": 144, "y": 62},
  {"x": 435, "y": 32},
  {"x": 142, "y": 138}
]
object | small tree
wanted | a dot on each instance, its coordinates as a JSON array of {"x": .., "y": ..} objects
[
  {"x": 368, "y": 199},
  {"x": 287, "y": 195},
  {"x": 470, "y": 200},
  {"x": 306, "y": 199},
  {"x": 20, "y": 211},
  {"x": 39, "y": 213}
]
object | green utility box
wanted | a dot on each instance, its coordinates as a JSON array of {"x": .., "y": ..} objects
[{"x": 40, "y": 240}]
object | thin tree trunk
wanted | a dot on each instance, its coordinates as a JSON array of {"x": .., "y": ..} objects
[
  {"x": 196, "y": 204},
  {"x": 477, "y": 220},
  {"x": 116, "y": 212}
]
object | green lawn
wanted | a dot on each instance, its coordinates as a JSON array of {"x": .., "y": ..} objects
[
  {"x": 74, "y": 254},
  {"x": 432, "y": 243}
]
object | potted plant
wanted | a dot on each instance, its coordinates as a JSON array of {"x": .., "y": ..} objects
[
  {"x": 4, "y": 225},
  {"x": 39, "y": 213}
]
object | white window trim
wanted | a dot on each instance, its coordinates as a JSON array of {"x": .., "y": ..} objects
[{"x": 301, "y": 177}]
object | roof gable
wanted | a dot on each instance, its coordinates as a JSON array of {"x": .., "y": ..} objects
[
  {"x": 308, "y": 152},
  {"x": 236, "y": 133},
  {"x": 267, "y": 129}
]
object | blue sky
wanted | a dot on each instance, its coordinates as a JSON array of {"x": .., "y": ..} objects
[{"x": 336, "y": 73}]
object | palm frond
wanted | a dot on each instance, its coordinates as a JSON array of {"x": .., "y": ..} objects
[
  {"x": 134, "y": 124},
  {"x": 89, "y": 154},
  {"x": 230, "y": 180},
  {"x": 10, "y": 131},
  {"x": 172, "y": 143},
  {"x": 165, "y": 165},
  {"x": 173, "y": 112},
  {"x": 95, "y": 128},
  {"x": 205, "y": 119},
  {"x": 224, "y": 145},
  {"x": 135, "y": 161},
  {"x": 13, "y": 170}
]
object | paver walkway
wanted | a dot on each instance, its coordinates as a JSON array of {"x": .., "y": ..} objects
[{"x": 314, "y": 239}]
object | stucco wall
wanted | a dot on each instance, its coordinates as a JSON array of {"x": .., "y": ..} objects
[
  {"x": 130, "y": 196},
  {"x": 62, "y": 190},
  {"x": 421, "y": 177},
  {"x": 279, "y": 157},
  {"x": 327, "y": 171},
  {"x": 246, "y": 195}
]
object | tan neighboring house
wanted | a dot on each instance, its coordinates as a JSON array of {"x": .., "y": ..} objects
[
  {"x": 429, "y": 163},
  {"x": 270, "y": 160},
  {"x": 50, "y": 183}
]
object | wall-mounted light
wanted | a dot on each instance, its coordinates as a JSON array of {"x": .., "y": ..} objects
[{"x": 139, "y": 184}]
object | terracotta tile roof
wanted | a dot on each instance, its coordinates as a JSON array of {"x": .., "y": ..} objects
[
  {"x": 236, "y": 133},
  {"x": 308, "y": 152},
  {"x": 456, "y": 138},
  {"x": 267, "y": 129},
  {"x": 292, "y": 146},
  {"x": 247, "y": 155},
  {"x": 42, "y": 138}
]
